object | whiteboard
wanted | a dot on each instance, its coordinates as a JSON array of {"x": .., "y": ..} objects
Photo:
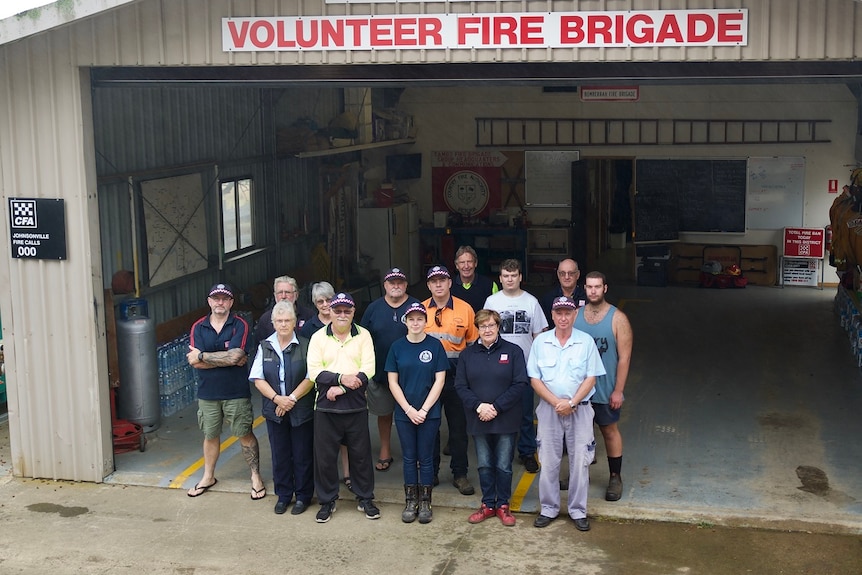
[
  {"x": 776, "y": 192},
  {"x": 549, "y": 177},
  {"x": 176, "y": 232}
]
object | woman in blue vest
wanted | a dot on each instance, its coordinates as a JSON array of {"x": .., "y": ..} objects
[{"x": 279, "y": 374}]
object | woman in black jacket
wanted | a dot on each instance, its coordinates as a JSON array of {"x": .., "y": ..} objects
[
  {"x": 279, "y": 374},
  {"x": 490, "y": 381}
]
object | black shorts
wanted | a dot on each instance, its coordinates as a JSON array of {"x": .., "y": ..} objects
[{"x": 604, "y": 415}]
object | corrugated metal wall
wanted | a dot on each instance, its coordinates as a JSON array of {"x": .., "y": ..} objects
[
  {"x": 54, "y": 321},
  {"x": 159, "y": 131},
  {"x": 187, "y": 32}
]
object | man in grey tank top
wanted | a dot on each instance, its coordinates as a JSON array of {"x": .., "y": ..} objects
[{"x": 612, "y": 332}]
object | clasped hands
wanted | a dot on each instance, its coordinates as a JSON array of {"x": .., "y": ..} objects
[{"x": 486, "y": 411}]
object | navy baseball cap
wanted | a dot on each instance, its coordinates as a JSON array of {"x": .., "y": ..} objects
[
  {"x": 438, "y": 272},
  {"x": 564, "y": 302},
  {"x": 414, "y": 307},
  {"x": 394, "y": 274},
  {"x": 221, "y": 289},
  {"x": 342, "y": 298}
]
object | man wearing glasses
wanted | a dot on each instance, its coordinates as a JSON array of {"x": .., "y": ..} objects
[
  {"x": 284, "y": 288},
  {"x": 340, "y": 363},
  {"x": 567, "y": 274},
  {"x": 454, "y": 325},
  {"x": 468, "y": 285}
]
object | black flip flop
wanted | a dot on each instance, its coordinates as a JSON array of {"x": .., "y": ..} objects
[
  {"x": 384, "y": 464},
  {"x": 203, "y": 488},
  {"x": 258, "y": 492}
]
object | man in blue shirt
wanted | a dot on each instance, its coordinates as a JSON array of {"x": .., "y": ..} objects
[
  {"x": 563, "y": 367},
  {"x": 218, "y": 351}
]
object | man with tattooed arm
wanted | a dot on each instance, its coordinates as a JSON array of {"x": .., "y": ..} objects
[{"x": 218, "y": 351}]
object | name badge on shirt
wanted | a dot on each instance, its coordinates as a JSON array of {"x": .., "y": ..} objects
[{"x": 504, "y": 358}]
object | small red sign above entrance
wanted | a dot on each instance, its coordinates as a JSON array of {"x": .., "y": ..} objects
[
  {"x": 610, "y": 93},
  {"x": 804, "y": 242}
]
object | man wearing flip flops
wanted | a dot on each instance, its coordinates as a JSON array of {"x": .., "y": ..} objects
[{"x": 218, "y": 351}]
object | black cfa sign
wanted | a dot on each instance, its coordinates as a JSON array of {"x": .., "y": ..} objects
[{"x": 38, "y": 228}]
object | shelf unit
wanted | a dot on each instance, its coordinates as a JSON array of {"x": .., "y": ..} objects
[
  {"x": 354, "y": 148},
  {"x": 546, "y": 246}
]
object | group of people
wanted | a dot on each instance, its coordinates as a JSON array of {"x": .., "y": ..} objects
[{"x": 478, "y": 351}]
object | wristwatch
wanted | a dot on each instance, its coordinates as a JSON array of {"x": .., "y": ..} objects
[
  {"x": 573, "y": 406},
  {"x": 201, "y": 356}
]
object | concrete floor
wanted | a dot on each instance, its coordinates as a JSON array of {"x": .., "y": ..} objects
[{"x": 742, "y": 409}]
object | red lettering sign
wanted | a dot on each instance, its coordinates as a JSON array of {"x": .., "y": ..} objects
[
  {"x": 593, "y": 29},
  {"x": 804, "y": 242}
]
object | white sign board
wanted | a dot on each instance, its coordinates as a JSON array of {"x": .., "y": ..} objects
[{"x": 799, "y": 272}]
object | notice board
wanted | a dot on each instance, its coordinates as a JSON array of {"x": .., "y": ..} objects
[
  {"x": 776, "y": 192},
  {"x": 676, "y": 196},
  {"x": 176, "y": 227},
  {"x": 549, "y": 177}
]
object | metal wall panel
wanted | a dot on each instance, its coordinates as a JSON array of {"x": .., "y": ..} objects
[
  {"x": 54, "y": 335},
  {"x": 188, "y": 32}
]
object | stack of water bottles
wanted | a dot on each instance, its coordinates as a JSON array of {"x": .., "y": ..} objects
[
  {"x": 178, "y": 381},
  {"x": 851, "y": 321}
]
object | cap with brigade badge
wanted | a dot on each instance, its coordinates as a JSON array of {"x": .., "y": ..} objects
[
  {"x": 342, "y": 298},
  {"x": 221, "y": 289},
  {"x": 564, "y": 302},
  {"x": 414, "y": 308},
  {"x": 394, "y": 274},
  {"x": 438, "y": 272}
]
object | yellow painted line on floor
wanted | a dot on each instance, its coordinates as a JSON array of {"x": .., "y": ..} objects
[
  {"x": 180, "y": 479},
  {"x": 521, "y": 489}
]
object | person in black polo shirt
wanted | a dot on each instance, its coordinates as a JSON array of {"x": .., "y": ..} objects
[
  {"x": 218, "y": 351},
  {"x": 468, "y": 285}
]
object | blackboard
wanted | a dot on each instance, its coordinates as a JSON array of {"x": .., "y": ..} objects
[{"x": 689, "y": 196}]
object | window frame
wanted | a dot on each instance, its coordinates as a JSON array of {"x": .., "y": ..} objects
[{"x": 238, "y": 222}]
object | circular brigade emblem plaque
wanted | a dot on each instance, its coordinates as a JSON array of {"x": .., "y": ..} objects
[{"x": 466, "y": 193}]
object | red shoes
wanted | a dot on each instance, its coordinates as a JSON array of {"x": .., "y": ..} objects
[
  {"x": 506, "y": 516},
  {"x": 482, "y": 514}
]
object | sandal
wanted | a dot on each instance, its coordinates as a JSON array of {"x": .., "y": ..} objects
[
  {"x": 384, "y": 464},
  {"x": 348, "y": 483}
]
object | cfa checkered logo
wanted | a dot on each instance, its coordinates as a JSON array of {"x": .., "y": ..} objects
[{"x": 23, "y": 213}]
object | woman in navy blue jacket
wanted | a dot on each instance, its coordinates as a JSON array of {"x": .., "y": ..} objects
[
  {"x": 279, "y": 373},
  {"x": 490, "y": 381}
]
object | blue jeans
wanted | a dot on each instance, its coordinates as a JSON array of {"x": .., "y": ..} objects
[
  {"x": 527, "y": 436},
  {"x": 494, "y": 453},
  {"x": 417, "y": 447}
]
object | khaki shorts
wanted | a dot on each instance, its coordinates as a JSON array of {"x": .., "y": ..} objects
[
  {"x": 212, "y": 414},
  {"x": 379, "y": 398}
]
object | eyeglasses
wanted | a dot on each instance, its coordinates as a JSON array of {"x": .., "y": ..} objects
[
  {"x": 437, "y": 315},
  {"x": 342, "y": 311},
  {"x": 568, "y": 274},
  {"x": 323, "y": 301},
  {"x": 488, "y": 327},
  {"x": 285, "y": 292}
]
